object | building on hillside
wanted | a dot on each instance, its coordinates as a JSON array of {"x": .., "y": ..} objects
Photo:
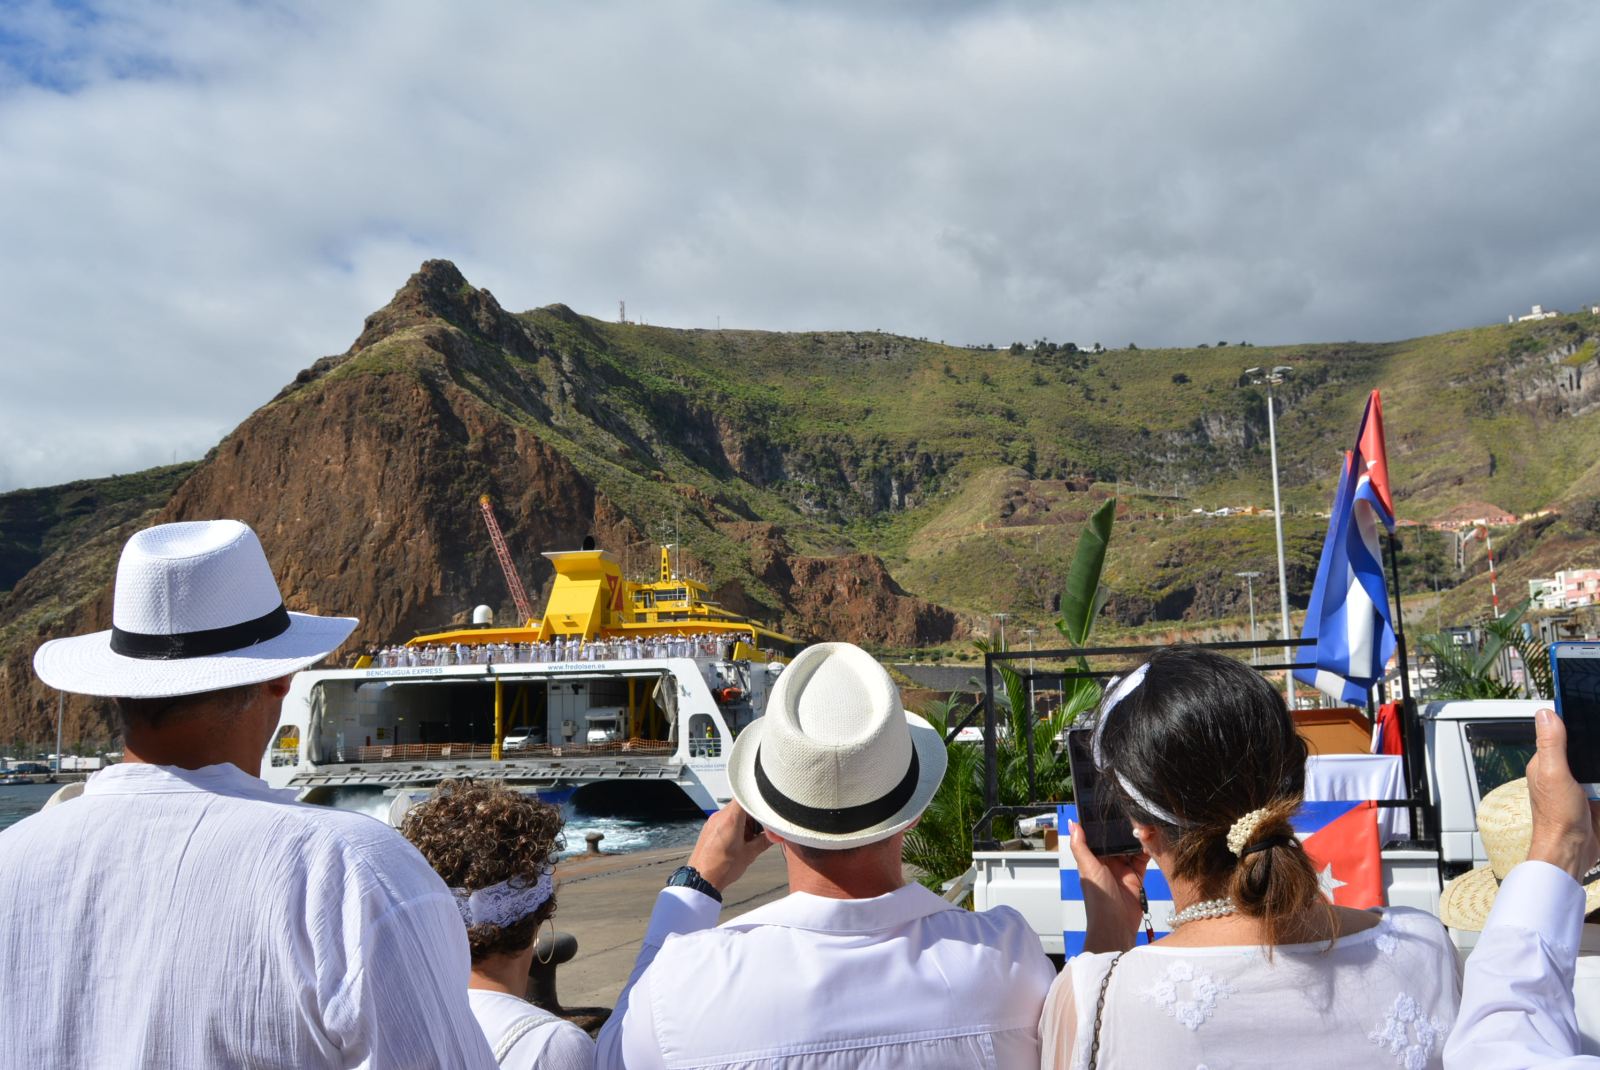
[
  {"x": 1578, "y": 587},
  {"x": 1539, "y": 313},
  {"x": 1471, "y": 514},
  {"x": 1544, "y": 593}
]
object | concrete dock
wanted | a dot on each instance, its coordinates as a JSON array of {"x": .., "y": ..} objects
[{"x": 605, "y": 902}]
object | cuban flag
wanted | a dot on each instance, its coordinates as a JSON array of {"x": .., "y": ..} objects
[
  {"x": 1348, "y": 614},
  {"x": 1340, "y": 837},
  {"x": 1342, "y": 840}
]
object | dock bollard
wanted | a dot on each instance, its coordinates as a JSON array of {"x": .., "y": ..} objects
[
  {"x": 549, "y": 951},
  {"x": 593, "y": 840}
]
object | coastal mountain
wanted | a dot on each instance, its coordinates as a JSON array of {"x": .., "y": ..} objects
[{"x": 889, "y": 490}]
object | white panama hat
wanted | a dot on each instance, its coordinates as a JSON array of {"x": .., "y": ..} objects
[
  {"x": 836, "y": 761},
  {"x": 196, "y": 609},
  {"x": 1505, "y": 824}
]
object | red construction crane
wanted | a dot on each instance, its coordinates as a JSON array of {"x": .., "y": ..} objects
[{"x": 518, "y": 595}]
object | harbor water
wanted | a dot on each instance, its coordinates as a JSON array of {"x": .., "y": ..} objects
[
  {"x": 623, "y": 831},
  {"x": 17, "y": 801}
]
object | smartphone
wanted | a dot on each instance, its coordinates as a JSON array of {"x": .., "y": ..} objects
[
  {"x": 1106, "y": 827},
  {"x": 1575, "y": 668}
]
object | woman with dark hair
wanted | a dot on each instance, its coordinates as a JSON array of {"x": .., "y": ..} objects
[
  {"x": 496, "y": 848},
  {"x": 1260, "y": 969}
]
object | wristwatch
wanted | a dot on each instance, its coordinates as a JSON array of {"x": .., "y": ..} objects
[{"x": 689, "y": 877}]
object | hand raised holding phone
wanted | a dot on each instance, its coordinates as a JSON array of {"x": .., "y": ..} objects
[
  {"x": 1111, "y": 861},
  {"x": 1575, "y": 671},
  {"x": 1107, "y": 830}
]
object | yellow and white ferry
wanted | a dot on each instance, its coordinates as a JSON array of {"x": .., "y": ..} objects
[{"x": 623, "y": 687}]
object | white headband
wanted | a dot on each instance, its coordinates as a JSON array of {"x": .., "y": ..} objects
[
  {"x": 1120, "y": 688},
  {"x": 505, "y": 903}
]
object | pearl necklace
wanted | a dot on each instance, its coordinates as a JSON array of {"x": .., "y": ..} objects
[{"x": 1206, "y": 908}]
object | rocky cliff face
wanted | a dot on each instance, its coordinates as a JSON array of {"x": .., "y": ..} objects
[{"x": 362, "y": 479}]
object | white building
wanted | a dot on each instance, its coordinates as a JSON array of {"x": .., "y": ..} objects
[
  {"x": 1545, "y": 593},
  {"x": 1539, "y": 313},
  {"x": 1578, "y": 587}
]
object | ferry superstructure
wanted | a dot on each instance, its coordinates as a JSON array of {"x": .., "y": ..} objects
[{"x": 620, "y": 682}]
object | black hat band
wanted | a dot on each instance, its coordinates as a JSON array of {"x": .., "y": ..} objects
[
  {"x": 200, "y": 644},
  {"x": 839, "y": 820}
]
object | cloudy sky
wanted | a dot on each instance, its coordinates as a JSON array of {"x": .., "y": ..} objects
[{"x": 199, "y": 199}]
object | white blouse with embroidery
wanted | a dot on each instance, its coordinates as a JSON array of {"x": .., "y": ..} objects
[{"x": 1385, "y": 996}]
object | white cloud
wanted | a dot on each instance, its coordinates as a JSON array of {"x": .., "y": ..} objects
[{"x": 197, "y": 200}]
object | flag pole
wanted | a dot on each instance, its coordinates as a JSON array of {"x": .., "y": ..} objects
[
  {"x": 1399, "y": 621},
  {"x": 1413, "y": 761}
]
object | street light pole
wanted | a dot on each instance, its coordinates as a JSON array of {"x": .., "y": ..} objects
[
  {"x": 1030, "y": 633},
  {"x": 1001, "y": 617},
  {"x": 1250, "y": 595},
  {"x": 1270, "y": 379}
]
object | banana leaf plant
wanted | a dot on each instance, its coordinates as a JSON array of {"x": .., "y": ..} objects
[
  {"x": 1464, "y": 673},
  {"x": 940, "y": 846}
]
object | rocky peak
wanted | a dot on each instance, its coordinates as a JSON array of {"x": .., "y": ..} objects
[{"x": 438, "y": 291}]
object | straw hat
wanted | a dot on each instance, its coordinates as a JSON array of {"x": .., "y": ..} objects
[
  {"x": 836, "y": 761},
  {"x": 196, "y": 609},
  {"x": 1505, "y": 824}
]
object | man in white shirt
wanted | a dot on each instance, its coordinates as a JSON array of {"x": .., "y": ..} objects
[
  {"x": 182, "y": 913},
  {"x": 1517, "y": 1006},
  {"x": 854, "y": 968}
]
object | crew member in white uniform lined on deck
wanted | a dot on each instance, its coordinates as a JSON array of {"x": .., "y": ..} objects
[
  {"x": 854, "y": 968},
  {"x": 180, "y": 913},
  {"x": 495, "y": 848}
]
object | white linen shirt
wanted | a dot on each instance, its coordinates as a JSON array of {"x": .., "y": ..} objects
[
  {"x": 901, "y": 980},
  {"x": 539, "y": 1040},
  {"x": 198, "y": 918},
  {"x": 1586, "y": 989},
  {"x": 1383, "y": 997},
  {"x": 1517, "y": 1007}
]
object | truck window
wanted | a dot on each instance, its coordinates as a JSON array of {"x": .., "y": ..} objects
[{"x": 1501, "y": 751}]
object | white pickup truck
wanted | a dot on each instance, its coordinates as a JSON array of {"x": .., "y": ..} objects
[{"x": 1471, "y": 748}]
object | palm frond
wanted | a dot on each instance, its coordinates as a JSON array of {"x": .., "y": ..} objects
[{"x": 940, "y": 846}]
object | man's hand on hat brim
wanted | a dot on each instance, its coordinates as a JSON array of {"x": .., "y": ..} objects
[
  {"x": 1564, "y": 820},
  {"x": 723, "y": 853}
]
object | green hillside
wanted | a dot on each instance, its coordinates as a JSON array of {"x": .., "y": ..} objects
[
  {"x": 1469, "y": 412},
  {"x": 36, "y": 522},
  {"x": 969, "y": 470}
]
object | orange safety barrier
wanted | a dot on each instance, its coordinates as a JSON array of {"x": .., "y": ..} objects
[{"x": 422, "y": 752}]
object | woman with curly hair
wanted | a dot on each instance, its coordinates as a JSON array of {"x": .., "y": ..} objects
[{"x": 494, "y": 847}]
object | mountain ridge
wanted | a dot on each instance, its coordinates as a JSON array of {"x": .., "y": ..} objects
[{"x": 842, "y": 484}]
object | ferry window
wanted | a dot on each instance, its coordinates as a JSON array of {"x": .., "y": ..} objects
[
  {"x": 1501, "y": 751},
  {"x": 703, "y": 740},
  {"x": 286, "y": 747}
]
